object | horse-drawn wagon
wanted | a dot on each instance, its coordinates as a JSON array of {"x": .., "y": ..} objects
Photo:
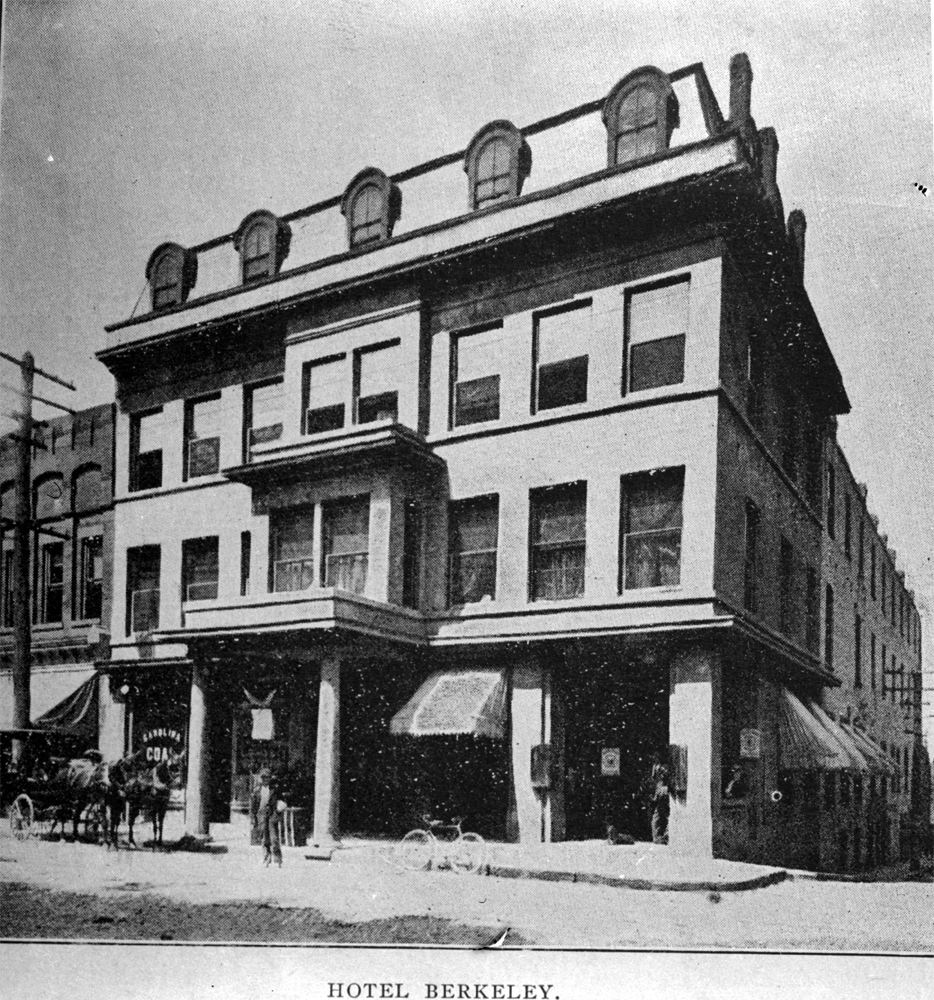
[{"x": 52, "y": 781}]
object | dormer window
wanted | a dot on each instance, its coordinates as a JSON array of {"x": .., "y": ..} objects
[
  {"x": 171, "y": 273},
  {"x": 497, "y": 162},
  {"x": 371, "y": 205},
  {"x": 263, "y": 244},
  {"x": 640, "y": 114}
]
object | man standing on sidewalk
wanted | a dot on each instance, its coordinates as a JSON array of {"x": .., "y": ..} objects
[
  {"x": 264, "y": 807},
  {"x": 658, "y": 802}
]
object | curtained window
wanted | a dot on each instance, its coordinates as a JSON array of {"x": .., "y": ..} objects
[
  {"x": 651, "y": 529},
  {"x": 346, "y": 544},
  {"x": 558, "y": 542},
  {"x": 293, "y": 565},
  {"x": 473, "y": 532}
]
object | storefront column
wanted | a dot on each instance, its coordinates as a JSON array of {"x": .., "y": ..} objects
[
  {"x": 197, "y": 791},
  {"x": 327, "y": 755},
  {"x": 694, "y": 726},
  {"x": 536, "y": 813},
  {"x": 112, "y": 714}
]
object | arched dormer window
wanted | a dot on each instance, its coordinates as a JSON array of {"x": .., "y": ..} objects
[
  {"x": 263, "y": 244},
  {"x": 171, "y": 272},
  {"x": 371, "y": 205},
  {"x": 640, "y": 113},
  {"x": 497, "y": 162}
]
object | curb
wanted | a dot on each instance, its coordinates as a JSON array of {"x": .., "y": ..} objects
[{"x": 621, "y": 882}]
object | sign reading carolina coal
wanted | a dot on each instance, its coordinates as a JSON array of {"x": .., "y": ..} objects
[{"x": 161, "y": 743}]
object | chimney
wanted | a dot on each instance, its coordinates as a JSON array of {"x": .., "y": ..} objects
[
  {"x": 768, "y": 166},
  {"x": 740, "y": 89},
  {"x": 797, "y": 225}
]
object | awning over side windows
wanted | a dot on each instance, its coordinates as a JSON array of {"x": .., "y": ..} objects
[
  {"x": 875, "y": 756},
  {"x": 76, "y": 714},
  {"x": 456, "y": 702},
  {"x": 857, "y": 762},
  {"x": 804, "y": 743}
]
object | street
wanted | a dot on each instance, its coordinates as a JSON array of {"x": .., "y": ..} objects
[{"x": 64, "y": 890}]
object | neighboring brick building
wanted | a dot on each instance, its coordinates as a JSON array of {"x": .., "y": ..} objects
[
  {"x": 72, "y": 494},
  {"x": 479, "y": 515}
]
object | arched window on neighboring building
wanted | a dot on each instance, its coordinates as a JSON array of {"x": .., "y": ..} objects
[
  {"x": 497, "y": 162},
  {"x": 263, "y": 244},
  {"x": 640, "y": 114},
  {"x": 371, "y": 205},
  {"x": 171, "y": 273}
]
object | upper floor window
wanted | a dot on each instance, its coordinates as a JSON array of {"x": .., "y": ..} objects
[
  {"x": 92, "y": 577},
  {"x": 812, "y": 611},
  {"x": 786, "y": 587},
  {"x": 640, "y": 113},
  {"x": 858, "y": 652},
  {"x": 53, "y": 582},
  {"x": 325, "y": 392},
  {"x": 847, "y": 525},
  {"x": 475, "y": 375},
  {"x": 828, "y": 627},
  {"x": 473, "y": 529},
  {"x": 656, "y": 330},
  {"x": 883, "y": 585},
  {"x": 202, "y": 437},
  {"x": 8, "y": 589},
  {"x": 497, "y": 162},
  {"x": 872, "y": 660},
  {"x": 146, "y": 431},
  {"x": 262, "y": 241},
  {"x": 831, "y": 501},
  {"x": 558, "y": 519},
  {"x": 262, "y": 417},
  {"x": 378, "y": 377},
  {"x": 171, "y": 273},
  {"x": 860, "y": 550},
  {"x": 872, "y": 569},
  {"x": 561, "y": 358},
  {"x": 200, "y": 569},
  {"x": 755, "y": 377},
  {"x": 292, "y": 534},
  {"x": 142, "y": 588},
  {"x": 346, "y": 543},
  {"x": 651, "y": 529},
  {"x": 751, "y": 563},
  {"x": 371, "y": 205}
]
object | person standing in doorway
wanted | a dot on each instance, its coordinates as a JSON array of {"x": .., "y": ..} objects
[
  {"x": 264, "y": 806},
  {"x": 657, "y": 794}
]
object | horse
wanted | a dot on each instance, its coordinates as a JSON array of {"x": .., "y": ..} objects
[
  {"x": 142, "y": 787},
  {"x": 75, "y": 786}
]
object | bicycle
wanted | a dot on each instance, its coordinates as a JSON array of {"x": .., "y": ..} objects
[{"x": 438, "y": 844}]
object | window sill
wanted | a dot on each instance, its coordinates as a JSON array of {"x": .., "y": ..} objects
[{"x": 641, "y": 593}]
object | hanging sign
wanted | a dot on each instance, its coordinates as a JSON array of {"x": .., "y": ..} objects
[
  {"x": 750, "y": 744},
  {"x": 161, "y": 743},
  {"x": 263, "y": 723},
  {"x": 609, "y": 762}
]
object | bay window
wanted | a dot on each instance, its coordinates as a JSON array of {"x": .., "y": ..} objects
[{"x": 346, "y": 543}]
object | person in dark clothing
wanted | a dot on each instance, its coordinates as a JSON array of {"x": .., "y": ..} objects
[
  {"x": 658, "y": 800},
  {"x": 265, "y": 806}
]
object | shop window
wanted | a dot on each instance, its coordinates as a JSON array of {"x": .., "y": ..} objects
[
  {"x": 325, "y": 392},
  {"x": 561, "y": 346},
  {"x": 92, "y": 577},
  {"x": 146, "y": 430},
  {"x": 476, "y": 363},
  {"x": 558, "y": 542},
  {"x": 292, "y": 533},
  {"x": 844, "y": 788},
  {"x": 751, "y": 562},
  {"x": 262, "y": 417},
  {"x": 142, "y": 584},
  {"x": 171, "y": 272},
  {"x": 640, "y": 114},
  {"x": 830, "y": 790},
  {"x": 346, "y": 544},
  {"x": 371, "y": 206},
  {"x": 473, "y": 531},
  {"x": 812, "y": 611},
  {"x": 379, "y": 375},
  {"x": 200, "y": 570},
  {"x": 656, "y": 330},
  {"x": 651, "y": 529},
  {"x": 828, "y": 627},
  {"x": 262, "y": 241},
  {"x": 202, "y": 437},
  {"x": 53, "y": 582},
  {"x": 8, "y": 588},
  {"x": 497, "y": 162}
]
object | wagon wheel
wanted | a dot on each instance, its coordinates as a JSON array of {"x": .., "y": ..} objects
[
  {"x": 22, "y": 817},
  {"x": 94, "y": 819}
]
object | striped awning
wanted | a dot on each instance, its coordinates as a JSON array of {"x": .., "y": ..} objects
[
  {"x": 857, "y": 761},
  {"x": 456, "y": 702},
  {"x": 804, "y": 742},
  {"x": 76, "y": 714},
  {"x": 875, "y": 756}
]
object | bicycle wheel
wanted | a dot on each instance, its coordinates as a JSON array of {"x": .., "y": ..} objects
[
  {"x": 22, "y": 817},
  {"x": 415, "y": 851},
  {"x": 467, "y": 853}
]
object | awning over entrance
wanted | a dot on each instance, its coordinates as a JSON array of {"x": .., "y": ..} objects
[
  {"x": 456, "y": 702},
  {"x": 76, "y": 714},
  {"x": 805, "y": 744}
]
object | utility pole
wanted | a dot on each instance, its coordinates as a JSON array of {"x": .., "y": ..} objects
[{"x": 22, "y": 534}]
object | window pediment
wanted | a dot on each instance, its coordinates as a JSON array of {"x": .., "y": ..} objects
[
  {"x": 263, "y": 241},
  {"x": 497, "y": 162},
  {"x": 371, "y": 205},
  {"x": 640, "y": 113},
  {"x": 171, "y": 272}
]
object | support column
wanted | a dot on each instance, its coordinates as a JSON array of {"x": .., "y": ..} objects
[
  {"x": 112, "y": 731},
  {"x": 327, "y": 756},
  {"x": 197, "y": 792},
  {"x": 694, "y": 724}
]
